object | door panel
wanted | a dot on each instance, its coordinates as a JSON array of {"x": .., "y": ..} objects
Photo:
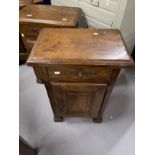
[{"x": 78, "y": 99}]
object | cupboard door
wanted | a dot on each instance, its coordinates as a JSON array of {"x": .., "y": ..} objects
[{"x": 78, "y": 99}]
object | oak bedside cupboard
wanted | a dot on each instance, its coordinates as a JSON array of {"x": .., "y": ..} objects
[
  {"x": 79, "y": 68},
  {"x": 33, "y": 18}
]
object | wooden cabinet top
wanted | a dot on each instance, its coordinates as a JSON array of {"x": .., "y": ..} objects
[
  {"x": 80, "y": 46},
  {"x": 52, "y": 15}
]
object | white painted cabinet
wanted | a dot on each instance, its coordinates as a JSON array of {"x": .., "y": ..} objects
[
  {"x": 107, "y": 14},
  {"x": 71, "y": 3}
]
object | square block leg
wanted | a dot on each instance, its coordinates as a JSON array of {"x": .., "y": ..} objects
[
  {"x": 97, "y": 120},
  {"x": 58, "y": 119}
]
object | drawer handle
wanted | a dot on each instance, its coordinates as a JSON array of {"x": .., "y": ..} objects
[
  {"x": 82, "y": 74},
  {"x": 85, "y": 74}
]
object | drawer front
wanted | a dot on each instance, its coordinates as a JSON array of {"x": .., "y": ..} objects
[
  {"x": 96, "y": 24},
  {"x": 100, "y": 14},
  {"x": 70, "y": 3},
  {"x": 74, "y": 73},
  {"x": 109, "y": 5},
  {"x": 87, "y": 1},
  {"x": 30, "y": 30}
]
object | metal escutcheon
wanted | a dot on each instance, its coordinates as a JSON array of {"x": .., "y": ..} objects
[{"x": 80, "y": 74}]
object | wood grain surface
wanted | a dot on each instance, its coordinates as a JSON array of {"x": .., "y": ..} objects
[
  {"x": 79, "y": 68},
  {"x": 52, "y": 15},
  {"x": 80, "y": 46}
]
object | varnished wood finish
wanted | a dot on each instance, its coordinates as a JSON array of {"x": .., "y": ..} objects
[
  {"x": 22, "y": 50},
  {"x": 79, "y": 68},
  {"x": 80, "y": 46},
  {"x": 75, "y": 73},
  {"x": 57, "y": 16},
  {"x": 36, "y": 1},
  {"x": 23, "y": 55},
  {"x": 23, "y": 3},
  {"x": 113, "y": 79},
  {"x": 33, "y": 18},
  {"x": 74, "y": 99}
]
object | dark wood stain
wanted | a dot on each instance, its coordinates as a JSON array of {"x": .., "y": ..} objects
[
  {"x": 33, "y": 18},
  {"x": 79, "y": 80}
]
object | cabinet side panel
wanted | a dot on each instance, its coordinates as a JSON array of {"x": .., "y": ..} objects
[
  {"x": 113, "y": 79},
  {"x": 98, "y": 98}
]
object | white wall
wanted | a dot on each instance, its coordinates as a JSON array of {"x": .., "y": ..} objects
[
  {"x": 128, "y": 25},
  {"x": 122, "y": 18}
]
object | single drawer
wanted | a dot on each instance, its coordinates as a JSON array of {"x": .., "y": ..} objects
[
  {"x": 109, "y": 5},
  {"x": 76, "y": 73},
  {"x": 94, "y": 23},
  {"x": 100, "y": 14},
  {"x": 31, "y": 30}
]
